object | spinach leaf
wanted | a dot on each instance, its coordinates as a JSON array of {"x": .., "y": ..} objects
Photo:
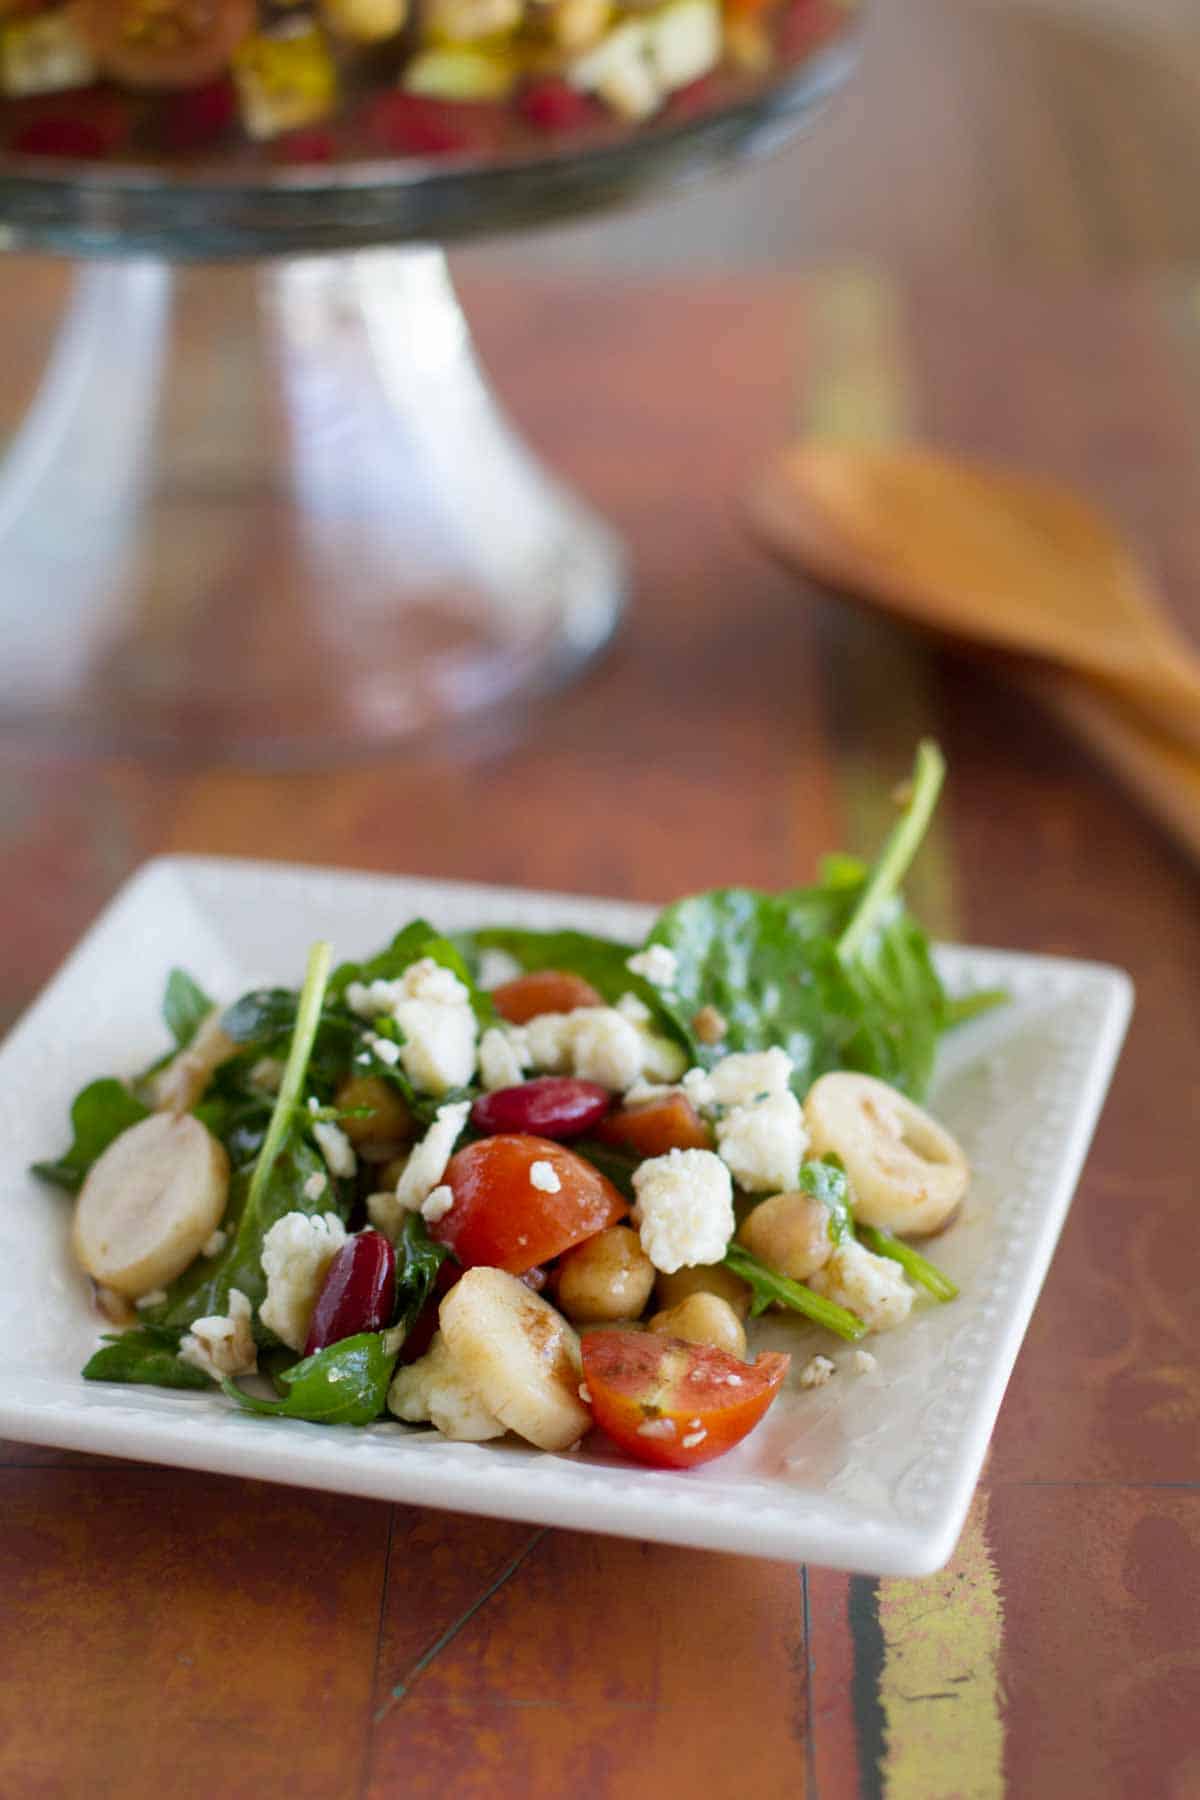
[
  {"x": 768, "y": 1287},
  {"x": 263, "y": 1021},
  {"x": 100, "y": 1113},
  {"x": 418, "y": 1259},
  {"x": 143, "y": 1356},
  {"x": 344, "y": 1384},
  {"x": 839, "y": 974},
  {"x": 185, "y": 1007}
]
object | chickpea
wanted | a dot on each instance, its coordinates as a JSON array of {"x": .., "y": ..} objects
[
  {"x": 790, "y": 1233},
  {"x": 704, "y": 1278},
  {"x": 703, "y": 1319},
  {"x": 388, "y": 1121},
  {"x": 608, "y": 1276}
]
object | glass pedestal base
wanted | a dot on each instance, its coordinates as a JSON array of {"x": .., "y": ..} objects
[{"x": 274, "y": 512}]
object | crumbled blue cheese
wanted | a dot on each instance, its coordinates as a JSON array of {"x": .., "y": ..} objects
[
  {"x": 871, "y": 1286},
  {"x": 316, "y": 1185},
  {"x": 437, "y": 1022},
  {"x": 694, "y": 1438},
  {"x": 216, "y": 1241},
  {"x": 386, "y": 1049},
  {"x": 336, "y": 1148},
  {"x": 433, "y": 1388},
  {"x": 503, "y": 1055},
  {"x": 422, "y": 1172},
  {"x": 223, "y": 1343},
  {"x": 684, "y": 1210},
  {"x": 437, "y": 1204},
  {"x": 864, "y": 1362},
  {"x": 763, "y": 1144},
  {"x": 656, "y": 964},
  {"x": 544, "y": 1176},
  {"x": 297, "y": 1252},
  {"x": 155, "y": 1297}
]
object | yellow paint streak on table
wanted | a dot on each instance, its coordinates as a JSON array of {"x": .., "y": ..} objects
[{"x": 940, "y": 1688}]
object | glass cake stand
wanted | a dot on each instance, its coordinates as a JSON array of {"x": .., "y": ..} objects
[{"x": 270, "y": 509}]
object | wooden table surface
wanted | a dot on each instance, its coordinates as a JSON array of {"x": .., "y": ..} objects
[{"x": 172, "y": 1634}]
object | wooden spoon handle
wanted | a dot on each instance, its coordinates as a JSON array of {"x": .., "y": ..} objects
[{"x": 1162, "y": 772}]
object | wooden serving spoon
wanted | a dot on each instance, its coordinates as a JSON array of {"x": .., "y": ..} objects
[{"x": 1004, "y": 559}]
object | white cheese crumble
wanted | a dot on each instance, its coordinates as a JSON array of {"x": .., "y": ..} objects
[
  {"x": 693, "y": 1438},
  {"x": 656, "y": 964},
  {"x": 503, "y": 1056},
  {"x": 434, "y": 1389},
  {"x": 544, "y": 1177},
  {"x": 816, "y": 1372},
  {"x": 315, "y": 1186},
  {"x": 603, "y": 1044},
  {"x": 763, "y": 1144},
  {"x": 585, "y": 1393},
  {"x": 871, "y": 1286},
  {"x": 422, "y": 1172},
  {"x": 864, "y": 1362},
  {"x": 297, "y": 1252},
  {"x": 335, "y": 1147},
  {"x": 739, "y": 1079},
  {"x": 155, "y": 1297},
  {"x": 495, "y": 968},
  {"x": 222, "y": 1344},
  {"x": 437, "y": 1204},
  {"x": 386, "y": 1049},
  {"x": 656, "y": 1428},
  {"x": 215, "y": 1242},
  {"x": 433, "y": 1009},
  {"x": 684, "y": 1210}
]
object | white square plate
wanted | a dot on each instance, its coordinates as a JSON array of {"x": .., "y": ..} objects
[{"x": 873, "y": 1472}]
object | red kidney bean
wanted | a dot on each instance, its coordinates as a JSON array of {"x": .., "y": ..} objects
[
  {"x": 552, "y": 1106},
  {"x": 358, "y": 1293}
]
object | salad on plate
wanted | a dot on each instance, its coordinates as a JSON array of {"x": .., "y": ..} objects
[{"x": 536, "y": 1182}]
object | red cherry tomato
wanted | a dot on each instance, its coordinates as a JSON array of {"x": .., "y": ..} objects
[
  {"x": 504, "y": 1220},
  {"x": 543, "y": 991},
  {"x": 200, "y": 118},
  {"x": 553, "y": 1106},
  {"x": 88, "y": 125},
  {"x": 164, "y": 43},
  {"x": 554, "y": 105},
  {"x": 401, "y": 124},
  {"x": 358, "y": 1293},
  {"x": 656, "y": 1126},
  {"x": 674, "y": 1404}
]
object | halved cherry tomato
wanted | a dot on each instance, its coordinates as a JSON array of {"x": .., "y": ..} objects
[
  {"x": 656, "y": 1126},
  {"x": 164, "y": 43},
  {"x": 543, "y": 991},
  {"x": 674, "y": 1404},
  {"x": 503, "y": 1219}
]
